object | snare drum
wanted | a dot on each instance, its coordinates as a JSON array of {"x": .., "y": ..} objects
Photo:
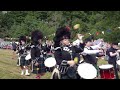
[
  {"x": 87, "y": 71},
  {"x": 107, "y": 71}
]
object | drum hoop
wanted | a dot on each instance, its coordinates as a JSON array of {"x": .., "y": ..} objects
[
  {"x": 93, "y": 76},
  {"x": 110, "y": 66}
]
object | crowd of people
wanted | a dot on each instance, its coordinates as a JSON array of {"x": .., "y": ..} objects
[{"x": 68, "y": 55}]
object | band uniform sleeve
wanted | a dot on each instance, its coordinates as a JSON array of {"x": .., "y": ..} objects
[
  {"x": 77, "y": 49},
  {"x": 32, "y": 53},
  {"x": 86, "y": 51},
  {"x": 58, "y": 56},
  {"x": 20, "y": 50},
  {"x": 97, "y": 46}
]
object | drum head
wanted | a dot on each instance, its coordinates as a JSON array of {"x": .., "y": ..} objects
[
  {"x": 87, "y": 71},
  {"x": 28, "y": 57},
  {"x": 118, "y": 62},
  {"x": 50, "y": 62},
  {"x": 107, "y": 66}
]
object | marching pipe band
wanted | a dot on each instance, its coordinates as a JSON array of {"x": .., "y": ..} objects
[{"x": 67, "y": 56}]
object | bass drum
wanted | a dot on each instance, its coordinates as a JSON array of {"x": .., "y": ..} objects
[
  {"x": 87, "y": 71},
  {"x": 50, "y": 62}
]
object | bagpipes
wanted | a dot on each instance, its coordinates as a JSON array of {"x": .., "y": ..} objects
[
  {"x": 63, "y": 71},
  {"x": 23, "y": 52}
]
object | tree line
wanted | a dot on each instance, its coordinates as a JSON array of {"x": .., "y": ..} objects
[{"x": 16, "y": 23}]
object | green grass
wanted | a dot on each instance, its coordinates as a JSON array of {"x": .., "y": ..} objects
[{"x": 9, "y": 69}]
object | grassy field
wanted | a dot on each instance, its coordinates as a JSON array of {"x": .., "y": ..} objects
[{"x": 9, "y": 69}]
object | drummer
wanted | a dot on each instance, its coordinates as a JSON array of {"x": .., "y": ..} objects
[
  {"x": 90, "y": 53},
  {"x": 64, "y": 51},
  {"x": 112, "y": 53},
  {"x": 48, "y": 52},
  {"x": 37, "y": 53}
]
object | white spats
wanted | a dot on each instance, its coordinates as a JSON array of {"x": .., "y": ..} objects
[
  {"x": 22, "y": 72},
  {"x": 26, "y": 73}
]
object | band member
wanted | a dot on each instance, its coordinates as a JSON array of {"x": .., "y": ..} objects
[
  {"x": 48, "y": 52},
  {"x": 107, "y": 47},
  {"x": 112, "y": 53},
  {"x": 17, "y": 52},
  {"x": 14, "y": 47},
  {"x": 48, "y": 48},
  {"x": 22, "y": 54},
  {"x": 90, "y": 54},
  {"x": 37, "y": 53},
  {"x": 64, "y": 53}
]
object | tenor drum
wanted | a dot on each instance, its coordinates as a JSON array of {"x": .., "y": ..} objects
[
  {"x": 50, "y": 62},
  {"x": 106, "y": 71},
  {"x": 87, "y": 71}
]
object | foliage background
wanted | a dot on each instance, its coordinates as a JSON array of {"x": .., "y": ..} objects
[{"x": 16, "y": 23}]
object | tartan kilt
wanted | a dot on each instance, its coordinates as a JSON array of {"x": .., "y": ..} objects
[
  {"x": 27, "y": 62},
  {"x": 40, "y": 68},
  {"x": 24, "y": 62}
]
